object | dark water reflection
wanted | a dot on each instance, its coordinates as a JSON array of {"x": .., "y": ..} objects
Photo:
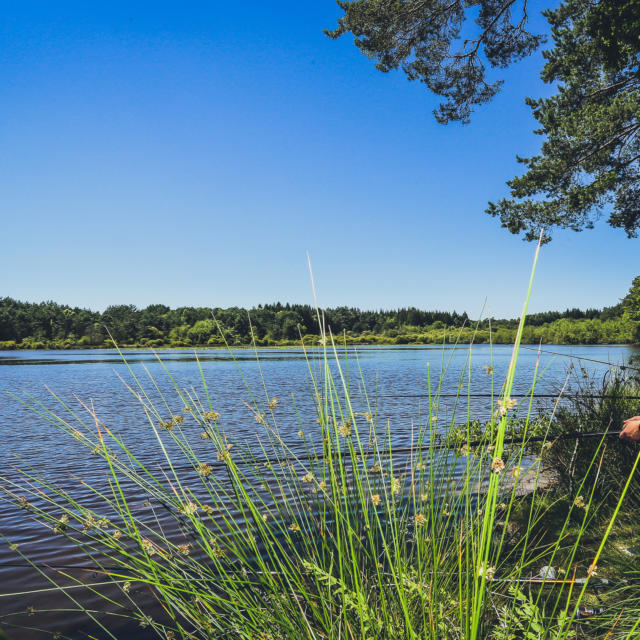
[{"x": 395, "y": 379}]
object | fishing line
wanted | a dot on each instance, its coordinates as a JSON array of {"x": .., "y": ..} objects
[
  {"x": 462, "y": 396},
  {"x": 623, "y": 367}
]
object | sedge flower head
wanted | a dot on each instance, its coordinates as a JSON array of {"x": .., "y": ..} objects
[
  {"x": 189, "y": 509},
  {"x": 273, "y": 403},
  {"x": 497, "y": 466},
  {"x": 487, "y": 572},
  {"x": 149, "y": 547},
  {"x": 61, "y": 525},
  {"x": 345, "y": 429},
  {"x": 375, "y": 499},
  {"x": 505, "y": 405},
  {"x": 216, "y": 549},
  {"x": 205, "y": 469},
  {"x": 579, "y": 502},
  {"x": 211, "y": 415},
  {"x": 420, "y": 519}
]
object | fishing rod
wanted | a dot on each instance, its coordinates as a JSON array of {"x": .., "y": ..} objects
[
  {"x": 513, "y": 395},
  {"x": 597, "y": 584},
  {"x": 345, "y": 454},
  {"x": 570, "y": 355},
  {"x": 571, "y": 435},
  {"x": 594, "y": 583}
]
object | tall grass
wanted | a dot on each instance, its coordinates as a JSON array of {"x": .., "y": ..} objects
[{"x": 335, "y": 536}]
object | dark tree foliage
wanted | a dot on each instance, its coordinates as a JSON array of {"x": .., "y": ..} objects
[
  {"x": 589, "y": 161},
  {"x": 159, "y": 325},
  {"x": 631, "y": 302},
  {"x": 435, "y": 42},
  {"x": 50, "y": 325}
]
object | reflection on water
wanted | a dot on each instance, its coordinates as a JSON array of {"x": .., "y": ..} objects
[{"x": 387, "y": 382}]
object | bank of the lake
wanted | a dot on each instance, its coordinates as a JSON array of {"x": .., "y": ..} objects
[
  {"x": 560, "y": 332},
  {"x": 48, "y": 325}
]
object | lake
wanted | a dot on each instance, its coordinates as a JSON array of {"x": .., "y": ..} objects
[{"x": 395, "y": 380}]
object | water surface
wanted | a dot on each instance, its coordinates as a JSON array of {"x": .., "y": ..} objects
[{"x": 391, "y": 382}]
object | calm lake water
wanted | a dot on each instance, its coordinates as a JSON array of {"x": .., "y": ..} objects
[{"x": 395, "y": 379}]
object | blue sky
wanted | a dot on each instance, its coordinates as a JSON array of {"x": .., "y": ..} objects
[{"x": 192, "y": 153}]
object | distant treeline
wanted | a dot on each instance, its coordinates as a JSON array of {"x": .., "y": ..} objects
[{"x": 25, "y": 325}]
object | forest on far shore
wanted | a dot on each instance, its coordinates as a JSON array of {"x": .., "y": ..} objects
[{"x": 48, "y": 325}]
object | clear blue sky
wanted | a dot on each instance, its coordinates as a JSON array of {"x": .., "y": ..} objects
[{"x": 192, "y": 153}]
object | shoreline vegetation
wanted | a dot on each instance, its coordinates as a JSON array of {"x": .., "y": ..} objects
[
  {"x": 49, "y": 325},
  {"x": 450, "y": 340}
]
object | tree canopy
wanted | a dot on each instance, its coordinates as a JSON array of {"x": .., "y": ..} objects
[
  {"x": 589, "y": 160},
  {"x": 48, "y": 325},
  {"x": 423, "y": 38}
]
